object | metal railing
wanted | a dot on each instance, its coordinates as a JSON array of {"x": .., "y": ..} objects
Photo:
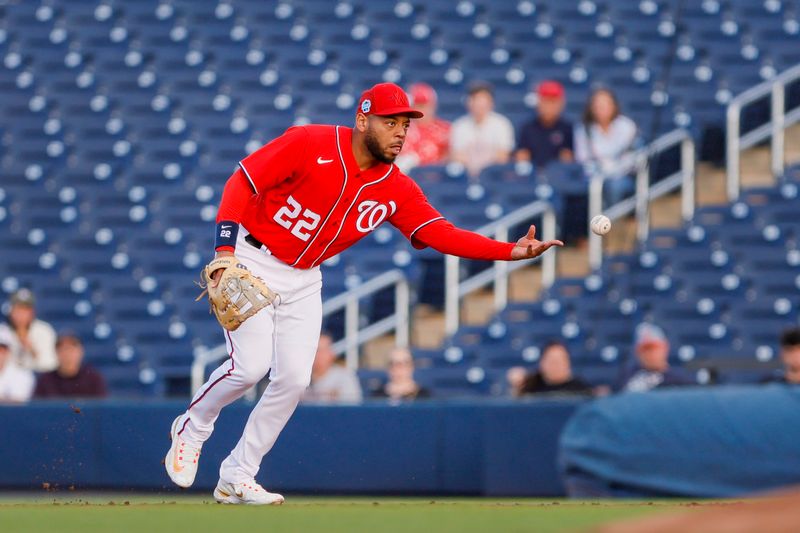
[
  {"x": 639, "y": 204},
  {"x": 355, "y": 336},
  {"x": 780, "y": 119},
  {"x": 456, "y": 289}
]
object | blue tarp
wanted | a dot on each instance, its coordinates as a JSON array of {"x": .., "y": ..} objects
[{"x": 709, "y": 442}]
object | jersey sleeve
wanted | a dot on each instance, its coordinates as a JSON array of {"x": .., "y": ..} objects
[
  {"x": 414, "y": 212},
  {"x": 276, "y": 160},
  {"x": 424, "y": 226},
  {"x": 443, "y": 237},
  {"x": 235, "y": 196}
]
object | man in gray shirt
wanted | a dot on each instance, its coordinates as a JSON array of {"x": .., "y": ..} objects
[{"x": 330, "y": 381}]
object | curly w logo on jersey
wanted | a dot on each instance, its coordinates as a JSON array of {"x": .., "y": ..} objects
[{"x": 373, "y": 214}]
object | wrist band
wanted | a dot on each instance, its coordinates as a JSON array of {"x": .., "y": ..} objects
[{"x": 227, "y": 231}]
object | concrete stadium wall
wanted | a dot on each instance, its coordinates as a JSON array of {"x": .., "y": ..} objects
[{"x": 480, "y": 448}]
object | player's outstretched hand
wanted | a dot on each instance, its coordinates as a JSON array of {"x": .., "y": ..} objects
[{"x": 528, "y": 247}]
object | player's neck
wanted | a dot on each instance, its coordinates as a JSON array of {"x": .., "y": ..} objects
[{"x": 364, "y": 159}]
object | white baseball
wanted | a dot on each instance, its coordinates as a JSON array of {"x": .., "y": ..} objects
[{"x": 600, "y": 225}]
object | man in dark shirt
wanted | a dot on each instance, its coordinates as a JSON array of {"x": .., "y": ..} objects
[
  {"x": 652, "y": 368},
  {"x": 72, "y": 378},
  {"x": 546, "y": 137}
]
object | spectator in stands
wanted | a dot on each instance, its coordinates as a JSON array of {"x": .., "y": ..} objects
[
  {"x": 331, "y": 382},
  {"x": 790, "y": 354},
  {"x": 604, "y": 144},
  {"x": 652, "y": 368},
  {"x": 16, "y": 382},
  {"x": 401, "y": 384},
  {"x": 33, "y": 340},
  {"x": 553, "y": 376},
  {"x": 428, "y": 138},
  {"x": 547, "y": 137},
  {"x": 483, "y": 137},
  {"x": 72, "y": 378}
]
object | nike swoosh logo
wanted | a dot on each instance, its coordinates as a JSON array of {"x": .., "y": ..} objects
[
  {"x": 321, "y": 161},
  {"x": 226, "y": 227},
  {"x": 240, "y": 494},
  {"x": 176, "y": 466}
]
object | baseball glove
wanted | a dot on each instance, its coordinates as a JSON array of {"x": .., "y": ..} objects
[{"x": 238, "y": 295}]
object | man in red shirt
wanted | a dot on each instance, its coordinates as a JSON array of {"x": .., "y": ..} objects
[
  {"x": 304, "y": 197},
  {"x": 428, "y": 138}
]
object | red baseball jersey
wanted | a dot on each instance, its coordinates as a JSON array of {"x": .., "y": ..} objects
[{"x": 308, "y": 200}]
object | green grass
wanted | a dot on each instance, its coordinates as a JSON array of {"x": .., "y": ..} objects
[{"x": 192, "y": 514}]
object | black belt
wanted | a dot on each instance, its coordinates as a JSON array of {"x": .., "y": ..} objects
[{"x": 252, "y": 241}]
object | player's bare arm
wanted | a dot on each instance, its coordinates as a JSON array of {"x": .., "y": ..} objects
[{"x": 529, "y": 247}]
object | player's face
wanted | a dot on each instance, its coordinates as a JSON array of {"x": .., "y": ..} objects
[
  {"x": 791, "y": 363},
  {"x": 385, "y": 136}
]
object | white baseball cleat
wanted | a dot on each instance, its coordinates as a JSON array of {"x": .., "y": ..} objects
[
  {"x": 247, "y": 493},
  {"x": 181, "y": 460}
]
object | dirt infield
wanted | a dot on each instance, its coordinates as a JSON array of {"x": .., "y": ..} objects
[{"x": 775, "y": 513}]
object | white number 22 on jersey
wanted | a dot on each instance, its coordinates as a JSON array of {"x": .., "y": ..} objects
[{"x": 287, "y": 216}]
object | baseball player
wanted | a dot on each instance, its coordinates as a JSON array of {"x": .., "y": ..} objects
[{"x": 300, "y": 199}]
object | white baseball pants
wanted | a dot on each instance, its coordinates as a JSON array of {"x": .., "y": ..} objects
[{"x": 282, "y": 338}]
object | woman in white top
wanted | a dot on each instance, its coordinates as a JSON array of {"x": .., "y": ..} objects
[
  {"x": 604, "y": 144},
  {"x": 32, "y": 341}
]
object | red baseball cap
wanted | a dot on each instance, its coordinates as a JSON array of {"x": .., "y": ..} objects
[
  {"x": 386, "y": 99},
  {"x": 550, "y": 89},
  {"x": 422, "y": 93}
]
